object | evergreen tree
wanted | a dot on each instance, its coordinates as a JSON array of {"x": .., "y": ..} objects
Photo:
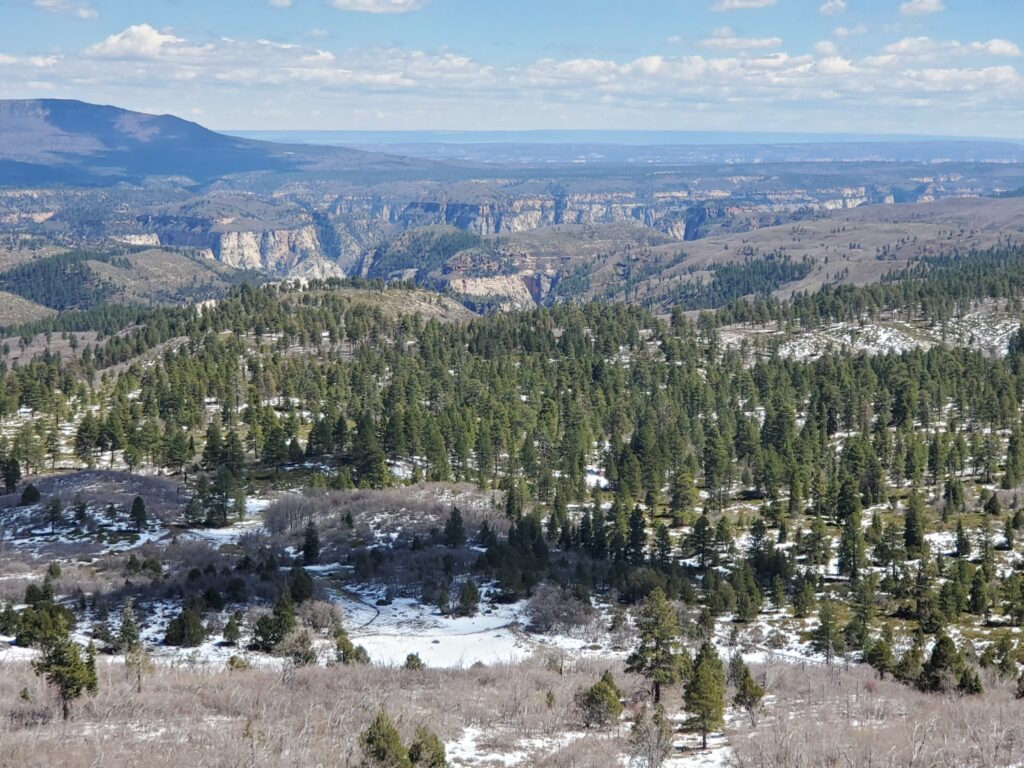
[
  {"x": 748, "y": 694},
  {"x": 658, "y": 656},
  {"x": 138, "y": 513},
  {"x": 62, "y": 665},
  {"x": 310, "y": 545},
  {"x": 601, "y": 703},
  {"x": 382, "y": 744},
  {"x": 454, "y": 530},
  {"x": 427, "y": 750},
  {"x": 705, "y": 692}
]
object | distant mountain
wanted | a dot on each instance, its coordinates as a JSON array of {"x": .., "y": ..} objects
[{"x": 55, "y": 141}]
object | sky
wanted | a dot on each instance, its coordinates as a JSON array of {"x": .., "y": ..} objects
[{"x": 936, "y": 67}]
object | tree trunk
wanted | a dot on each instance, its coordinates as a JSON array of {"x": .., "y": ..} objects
[
  {"x": 657, "y": 693},
  {"x": 704, "y": 738},
  {"x": 65, "y": 706}
]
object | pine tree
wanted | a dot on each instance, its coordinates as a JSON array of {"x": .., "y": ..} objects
[
  {"x": 310, "y": 544},
  {"x": 748, "y": 695},
  {"x": 128, "y": 633},
  {"x": 138, "y": 513},
  {"x": 963, "y": 543},
  {"x": 469, "y": 598},
  {"x": 705, "y": 692},
  {"x": 367, "y": 455},
  {"x": 62, "y": 665},
  {"x": 658, "y": 656},
  {"x": 826, "y": 638},
  {"x": 599, "y": 704},
  {"x": 701, "y": 541},
  {"x": 913, "y": 525},
  {"x": 454, "y": 530}
]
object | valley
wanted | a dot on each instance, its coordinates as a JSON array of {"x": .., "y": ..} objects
[{"x": 540, "y": 455}]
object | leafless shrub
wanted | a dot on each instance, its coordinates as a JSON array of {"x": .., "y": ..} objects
[
  {"x": 308, "y": 716},
  {"x": 553, "y": 609},
  {"x": 320, "y": 616},
  {"x": 821, "y": 717}
]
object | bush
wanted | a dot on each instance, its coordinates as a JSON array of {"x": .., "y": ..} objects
[
  {"x": 414, "y": 662},
  {"x": 186, "y": 630},
  {"x": 30, "y": 495},
  {"x": 600, "y": 704}
]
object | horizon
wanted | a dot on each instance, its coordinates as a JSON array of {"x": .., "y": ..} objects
[{"x": 889, "y": 67}]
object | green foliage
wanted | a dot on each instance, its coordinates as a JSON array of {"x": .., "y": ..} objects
[
  {"x": 705, "y": 692},
  {"x": 600, "y": 704},
  {"x": 427, "y": 750},
  {"x": 186, "y": 629},
  {"x": 67, "y": 671},
  {"x": 658, "y": 655},
  {"x": 382, "y": 745}
]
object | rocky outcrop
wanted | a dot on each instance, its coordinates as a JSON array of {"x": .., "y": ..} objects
[
  {"x": 518, "y": 291},
  {"x": 274, "y": 251}
]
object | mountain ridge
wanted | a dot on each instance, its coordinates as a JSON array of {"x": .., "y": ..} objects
[{"x": 75, "y": 142}]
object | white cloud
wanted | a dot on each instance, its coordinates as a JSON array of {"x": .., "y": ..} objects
[
  {"x": 832, "y": 7},
  {"x": 279, "y": 3},
  {"x": 997, "y": 47},
  {"x": 378, "y": 6},
  {"x": 921, "y": 7},
  {"x": 924, "y": 48},
  {"x": 725, "y": 38},
  {"x": 240, "y": 82},
  {"x": 741, "y": 5},
  {"x": 67, "y": 7},
  {"x": 860, "y": 29},
  {"x": 138, "y": 40}
]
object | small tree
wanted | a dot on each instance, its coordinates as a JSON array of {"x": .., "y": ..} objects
[
  {"x": 12, "y": 474},
  {"x": 827, "y": 638},
  {"x": 348, "y": 653},
  {"x": 382, "y": 744},
  {"x": 600, "y": 703},
  {"x": 64, "y": 668},
  {"x": 55, "y": 513},
  {"x": 705, "y": 692},
  {"x": 427, "y": 750},
  {"x": 658, "y": 656},
  {"x": 128, "y": 633},
  {"x": 311, "y": 545},
  {"x": 650, "y": 739},
  {"x": 469, "y": 598},
  {"x": 138, "y": 513},
  {"x": 880, "y": 657},
  {"x": 454, "y": 530},
  {"x": 233, "y": 630},
  {"x": 413, "y": 662},
  {"x": 748, "y": 695}
]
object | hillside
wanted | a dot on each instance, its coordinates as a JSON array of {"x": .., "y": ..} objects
[{"x": 55, "y": 141}]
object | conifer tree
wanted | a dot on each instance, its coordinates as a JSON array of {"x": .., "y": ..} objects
[
  {"x": 658, "y": 656},
  {"x": 705, "y": 692},
  {"x": 382, "y": 744},
  {"x": 62, "y": 665}
]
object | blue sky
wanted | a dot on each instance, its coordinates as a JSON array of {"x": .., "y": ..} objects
[{"x": 950, "y": 67}]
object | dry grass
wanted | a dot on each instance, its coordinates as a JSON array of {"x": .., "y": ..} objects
[
  {"x": 821, "y": 718},
  {"x": 298, "y": 717}
]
